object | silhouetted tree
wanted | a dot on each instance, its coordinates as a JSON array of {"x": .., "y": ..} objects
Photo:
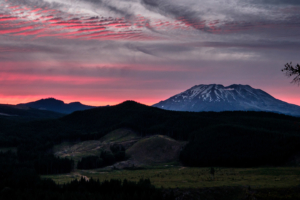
[
  {"x": 212, "y": 173},
  {"x": 290, "y": 70},
  {"x": 90, "y": 162}
]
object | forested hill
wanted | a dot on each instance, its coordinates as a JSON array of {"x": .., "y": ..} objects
[
  {"x": 24, "y": 113},
  {"x": 146, "y": 120},
  {"x": 150, "y": 120},
  {"x": 237, "y": 132}
]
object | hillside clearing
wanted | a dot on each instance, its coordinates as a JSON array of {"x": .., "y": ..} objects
[
  {"x": 142, "y": 151},
  {"x": 155, "y": 149},
  {"x": 76, "y": 151}
]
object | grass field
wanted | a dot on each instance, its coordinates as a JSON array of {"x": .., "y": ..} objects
[
  {"x": 153, "y": 152},
  {"x": 181, "y": 177}
]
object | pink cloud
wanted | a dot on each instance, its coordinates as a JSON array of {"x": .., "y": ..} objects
[
  {"x": 31, "y": 32},
  {"x": 7, "y": 78},
  {"x": 8, "y": 19},
  {"x": 55, "y": 25},
  {"x": 16, "y": 29}
]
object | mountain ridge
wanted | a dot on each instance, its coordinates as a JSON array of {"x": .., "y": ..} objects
[
  {"x": 55, "y": 105},
  {"x": 218, "y": 98}
]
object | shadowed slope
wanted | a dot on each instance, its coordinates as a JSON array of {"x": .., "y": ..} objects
[
  {"x": 156, "y": 149},
  {"x": 24, "y": 113}
]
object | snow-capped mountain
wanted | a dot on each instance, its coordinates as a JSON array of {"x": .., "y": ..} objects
[{"x": 235, "y": 97}]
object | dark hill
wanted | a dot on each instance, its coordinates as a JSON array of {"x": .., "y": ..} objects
[
  {"x": 55, "y": 105},
  {"x": 24, "y": 113},
  {"x": 239, "y": 139},
  {"x": 151, "y": 120},
  {"x": 274, "y": 136}
]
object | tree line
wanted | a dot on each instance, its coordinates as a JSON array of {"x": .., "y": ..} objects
[
  {"x": 27, "y": 185},
  {"x": 105, "y": 158},
  {"x": 238, "y": 146}
]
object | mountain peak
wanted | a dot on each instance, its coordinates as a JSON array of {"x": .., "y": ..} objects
[
  {"x": 50, "y": 100},
  {"x": 216, "y": 97},
  {"x": 129, "y": 103},
  {"x": 75, "y": 103}
]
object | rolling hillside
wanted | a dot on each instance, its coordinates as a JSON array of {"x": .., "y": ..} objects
[{"x": 272, "y": 136}]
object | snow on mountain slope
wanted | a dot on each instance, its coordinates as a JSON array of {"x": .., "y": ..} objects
[{"x": 216, "y": 97}]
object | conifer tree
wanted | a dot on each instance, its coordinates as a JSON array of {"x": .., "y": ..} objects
[{"x": 291, "y": 70}]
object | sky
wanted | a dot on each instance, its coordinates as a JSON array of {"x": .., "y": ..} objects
[{"x": 102, "y": 52}]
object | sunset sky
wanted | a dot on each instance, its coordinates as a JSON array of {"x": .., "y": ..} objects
[{"x": 103, "y": 52}]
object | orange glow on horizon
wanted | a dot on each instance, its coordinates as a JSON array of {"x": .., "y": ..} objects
[
  {"x": 291, "y": 100},
  {"x": 14, "y": 100},
  {"x": 98, "y": 101}
]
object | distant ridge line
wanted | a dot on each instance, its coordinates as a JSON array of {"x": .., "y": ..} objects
[{"x": 55, "y": 105}]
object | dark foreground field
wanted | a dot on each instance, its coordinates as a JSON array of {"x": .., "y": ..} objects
[
  {"x": 186, "y": 177},
  {"x": 178, "y": 182}
]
